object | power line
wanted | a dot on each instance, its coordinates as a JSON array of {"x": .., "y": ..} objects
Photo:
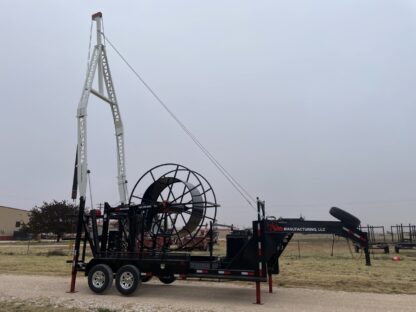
[{"x": 236, "y": 185}]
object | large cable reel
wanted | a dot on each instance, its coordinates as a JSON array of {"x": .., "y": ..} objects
[{"x": 179, "y": 205}]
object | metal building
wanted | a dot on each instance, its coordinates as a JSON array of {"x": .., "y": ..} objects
[{"x": 11, "y": 219}]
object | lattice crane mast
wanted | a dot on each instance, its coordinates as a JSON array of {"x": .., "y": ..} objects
[{"x": 98, "y": 66}]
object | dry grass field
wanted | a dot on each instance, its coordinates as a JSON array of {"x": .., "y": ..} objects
[
  {"x": 314, "y": 268},
  {"x": 345, "y": 270},
  {"x": 41, "y": 258}
]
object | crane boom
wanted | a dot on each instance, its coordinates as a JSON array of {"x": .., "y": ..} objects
[{"x": 99, "y": 64}]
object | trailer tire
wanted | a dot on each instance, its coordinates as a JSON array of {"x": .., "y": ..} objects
[
  {"x": 128, "y": 279},
  {"x": 167, "y": 279},
  {"x": 100, "y": 278},
  {"x": 345, "y": 217}
]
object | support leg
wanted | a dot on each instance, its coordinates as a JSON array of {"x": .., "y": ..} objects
[
  {"x": 258, "y": 294},
  {"x": 73, "y": 277},
  {"x": 367, "y": 256},
  {"x": 270, "y": 283},
  {"x": 77, "y": 244}
]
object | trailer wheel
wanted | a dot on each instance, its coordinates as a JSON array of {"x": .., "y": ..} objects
[
  {"x": 127, "y": 279},
  {"x": 167, "y": 279},
  {"x": 345, "y": 217},
  {"x": 100, "y": 278}
]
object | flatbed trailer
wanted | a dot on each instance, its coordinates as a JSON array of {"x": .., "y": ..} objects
[
  {"x": 251, "y": 255},
  {"x": 403, "y": 237}
]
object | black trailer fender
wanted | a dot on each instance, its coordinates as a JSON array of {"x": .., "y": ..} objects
[{"x": 114, "y": 264}]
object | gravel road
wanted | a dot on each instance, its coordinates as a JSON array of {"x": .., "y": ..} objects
[{"x": 195, "y": 296}]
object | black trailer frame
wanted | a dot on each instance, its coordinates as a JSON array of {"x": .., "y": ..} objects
[
  {"x": 252, "y": 255},
  {"x": 403, "y": 237}
]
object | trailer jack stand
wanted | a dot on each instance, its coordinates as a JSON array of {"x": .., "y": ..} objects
[
  {"x": 73, "y": 279},
  {"x": 270, "y": 284},
  {"x": 77, "y": 243},
  {"x": 258, "y": 293}
]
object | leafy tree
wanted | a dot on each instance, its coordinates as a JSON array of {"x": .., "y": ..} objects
[
  {"x": 54, "y": 217},
  {"x": 22, "y": 233}
]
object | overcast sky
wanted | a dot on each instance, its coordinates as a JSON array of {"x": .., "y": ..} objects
[{"x": 309, "y": 104}]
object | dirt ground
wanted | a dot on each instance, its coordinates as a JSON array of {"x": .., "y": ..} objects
[{"x": 192, "y": 296}]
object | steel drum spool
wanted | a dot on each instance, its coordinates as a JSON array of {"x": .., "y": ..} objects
[{"x": 184, "y": 203}]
